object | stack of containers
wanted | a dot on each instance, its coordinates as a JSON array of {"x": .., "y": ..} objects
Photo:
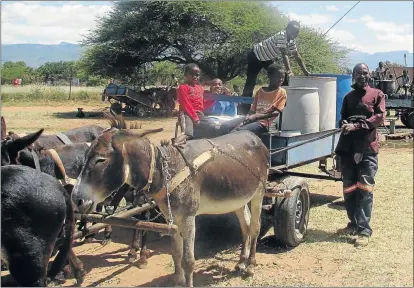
[{"x": 316, "y": 98}]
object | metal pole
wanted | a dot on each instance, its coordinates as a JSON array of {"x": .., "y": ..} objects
[
  {"x": 306, "y": 142},
  {"x": 70, "y": 83}
]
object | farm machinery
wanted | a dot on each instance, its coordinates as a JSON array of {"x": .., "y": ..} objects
[{"x": 403, "y": 105}]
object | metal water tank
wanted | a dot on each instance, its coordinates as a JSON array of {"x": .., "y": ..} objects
[
  {"x": 343, "y": 87},
  {"x": 302, "y": 110},
  {"x": 327, "y": 97}
]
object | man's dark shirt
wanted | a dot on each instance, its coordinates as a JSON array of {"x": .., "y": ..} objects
[{"x": 369, "y": 102}]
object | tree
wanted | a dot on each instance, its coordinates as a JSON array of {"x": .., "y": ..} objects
[
  {"x": 56, "y": 71},
  {"x": 13, "y": 70},
  {"x": 320, "y": 53},
  {"x": 214, "y": 35}
]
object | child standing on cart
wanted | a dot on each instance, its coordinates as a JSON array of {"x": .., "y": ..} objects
[{"x": 191, "y": 101}]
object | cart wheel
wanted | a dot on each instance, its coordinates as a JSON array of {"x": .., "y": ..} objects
[
  {"x": 140, "y": 112},
  {"x": 291, "y": 215},
  {"x": 116, "y": 108},
  {"x": 410, "y": 120},
  {"x": 404, "y": 118}
]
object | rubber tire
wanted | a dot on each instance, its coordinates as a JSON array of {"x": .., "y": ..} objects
[
  {"x": 285, "y": 213},
  {"x": 140, "y": 111},
  {"x": 404, "y": 118},
  {"x": 116, "y": 108},
  {"x": 410, "y": 120}
]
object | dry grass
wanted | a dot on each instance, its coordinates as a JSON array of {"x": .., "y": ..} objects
[
  {"x": 30, "y": 95},
  {"x": 324, "y": 259}
]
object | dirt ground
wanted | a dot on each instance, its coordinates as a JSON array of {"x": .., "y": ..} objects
[{"x": 324, "y": 259}]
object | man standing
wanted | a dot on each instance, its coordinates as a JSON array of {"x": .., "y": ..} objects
[
  {"x": 381, "y": 72},
  {"x": 362, "y": 112},
  {"x": 283, "y": 44},
  {"x": 405, "y": 82}
]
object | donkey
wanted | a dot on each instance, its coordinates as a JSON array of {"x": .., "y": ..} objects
[
  {"x": 35, "y": 208},
  {"x": 14, "y": 151},
  {"x": 221, "y": 181},
  {"x": 76, "y": 135},
  {"x": 69, "y": 163}
]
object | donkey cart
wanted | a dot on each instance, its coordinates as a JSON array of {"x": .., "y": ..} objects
[
  {"x": 138, "y": 103},
  {"x": 286, "y": 204}
]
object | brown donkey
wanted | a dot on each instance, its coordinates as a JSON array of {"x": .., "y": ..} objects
[{"x": 217, "y": 177}]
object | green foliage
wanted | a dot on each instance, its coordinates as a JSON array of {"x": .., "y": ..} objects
[
  {"x": 163, "y": 73},
  {"x": 320, "y": 54},
  {"x": 214, "y": 35},
  {"x": 13, "y": 70},
  {"x": 56, "y": 71}
]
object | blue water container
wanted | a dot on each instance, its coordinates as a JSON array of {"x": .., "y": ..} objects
[{"x": 343, "y": 87}]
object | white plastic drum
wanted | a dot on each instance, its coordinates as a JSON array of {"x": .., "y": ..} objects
[
  {"x": 327, "y": 97},
  {"x": 302, "y": 110}
]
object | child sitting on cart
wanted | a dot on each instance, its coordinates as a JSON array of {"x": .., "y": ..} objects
[
  {"x": 268, "y": 103},
  {"x": 192, "y": 104},
  {"x": 219, "y": 107}
]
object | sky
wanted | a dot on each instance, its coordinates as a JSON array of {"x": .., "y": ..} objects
[{"x": 372, "y": 26}]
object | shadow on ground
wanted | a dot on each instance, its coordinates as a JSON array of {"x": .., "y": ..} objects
[
  {"x": 319, "y": 236},
  {"x": 99, "y": 114},
  {"x": 317, "y": 200},
  {"x": 202, "y": 278}
]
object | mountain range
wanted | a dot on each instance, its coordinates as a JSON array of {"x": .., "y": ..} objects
[{"x": 34, "y": 55}]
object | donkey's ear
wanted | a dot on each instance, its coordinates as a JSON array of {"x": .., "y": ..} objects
[
  {"x": 3, "y": 128},
  {"x": 25, "y": 141}
]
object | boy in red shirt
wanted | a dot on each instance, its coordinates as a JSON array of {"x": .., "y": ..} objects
[{"x": 191, "y": 100}]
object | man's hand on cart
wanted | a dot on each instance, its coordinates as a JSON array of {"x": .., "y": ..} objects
[{"x": 348, "y": 127}]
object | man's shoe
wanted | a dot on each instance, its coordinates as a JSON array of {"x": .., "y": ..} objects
[
  {"x": 347, "y": 231},
  {"x": 362, "y": 241}
]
